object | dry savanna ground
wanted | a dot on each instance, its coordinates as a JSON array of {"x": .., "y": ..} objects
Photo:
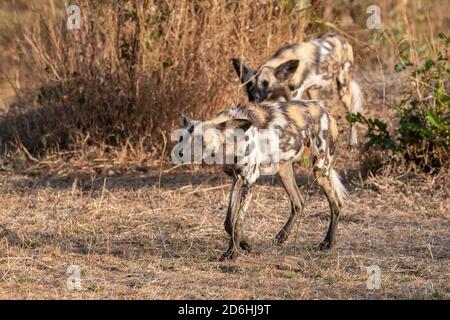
[
  {"x": 159, "y": 236},
  {"x": 155, "y": 231}
]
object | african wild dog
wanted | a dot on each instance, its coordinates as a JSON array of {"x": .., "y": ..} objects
[
  {"x": 298, "y": 125},
  {"x": 302, "y": 70}
]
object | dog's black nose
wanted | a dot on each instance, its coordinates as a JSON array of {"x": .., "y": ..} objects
[{"x": 255, "y": 97}]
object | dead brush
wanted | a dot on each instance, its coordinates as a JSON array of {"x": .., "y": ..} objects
[{"x": 116, "y": 85}]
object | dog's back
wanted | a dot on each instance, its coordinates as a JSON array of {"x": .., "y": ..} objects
[
  {"x": 297, "y": 124},
  {"x": 325, "y": 55}
]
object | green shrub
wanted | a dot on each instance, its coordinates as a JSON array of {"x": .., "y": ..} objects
[{"x": 423, "y": 136}]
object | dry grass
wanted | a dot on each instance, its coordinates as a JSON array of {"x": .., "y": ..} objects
[
  {"x": 119, "y": 82},
  {"x": 138, "y": 237}
]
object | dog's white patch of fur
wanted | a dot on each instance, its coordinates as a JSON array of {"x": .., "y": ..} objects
[
  {"x": 324, "y": 49},
  {"x": 338, "y": 187},
  {"x": 324, "y": 122},
  {"x": 313, "y": 79}
]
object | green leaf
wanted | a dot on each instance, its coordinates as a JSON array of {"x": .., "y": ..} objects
[
  {"x": 428, "y": 64},
  {"x": 399, "y": 67},
  {"x": 351, "y": 118},
  {"x": 402, "y": 65},
  {"x": 380, "y": 124},
  {"x": 433, "y": 120},
  {"x": 155, "y": 35},
  {"x": 445, "y": 38},
  {"x": 445, "y": 97},
  {"x": 415, "y": 103},
  {"x": 167, "y": 64}
]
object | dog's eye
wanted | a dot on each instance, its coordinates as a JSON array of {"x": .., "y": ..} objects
[{"x": 265, "y": 83}]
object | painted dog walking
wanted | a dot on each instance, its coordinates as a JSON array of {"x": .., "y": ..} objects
[{"x": 296, "y": 126}]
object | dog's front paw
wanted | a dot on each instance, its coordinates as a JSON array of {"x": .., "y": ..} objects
[
  {"x": 281, "y": 237},
  {"x": 326, "y": 245}
]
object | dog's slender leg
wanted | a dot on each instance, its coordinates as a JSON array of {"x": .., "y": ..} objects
[
  {"x": 325, "y": 183},
  {"x": 239, "y": 201},
  {"x": 286, "y": 174},
  {"x": 350, "y": 95},
  {"x": 230, "y": 220},
  {"x": 246, "y": 198}
]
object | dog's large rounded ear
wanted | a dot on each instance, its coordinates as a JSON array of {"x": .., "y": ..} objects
[
  {"x": 286, "y": 70},
  {"x": 237, "y": 67},
  {"x": 244, "y": 73},
  {"x": 185, "y": 120}
]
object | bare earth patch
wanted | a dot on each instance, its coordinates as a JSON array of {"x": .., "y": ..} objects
[{"x": 139, "y": 236}]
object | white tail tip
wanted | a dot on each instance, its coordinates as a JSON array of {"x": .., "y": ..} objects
[
  {"x": 357, "y": 97},
  {"x": 338, "y": 187}
]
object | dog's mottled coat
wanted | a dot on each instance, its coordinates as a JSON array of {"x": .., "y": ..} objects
[{"x": 305, "y": 70}]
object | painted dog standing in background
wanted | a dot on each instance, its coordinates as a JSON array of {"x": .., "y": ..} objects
[{"x": 300, "y": 71}]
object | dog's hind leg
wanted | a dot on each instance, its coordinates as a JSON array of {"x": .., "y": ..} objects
[
  {"x": 331, "y": 185},
  {"x": 328, "y": 179}
]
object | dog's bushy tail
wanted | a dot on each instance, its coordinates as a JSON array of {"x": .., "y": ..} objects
[
  {"x": 357, "y": 106},
  {"x": 337, "y": 186}
]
